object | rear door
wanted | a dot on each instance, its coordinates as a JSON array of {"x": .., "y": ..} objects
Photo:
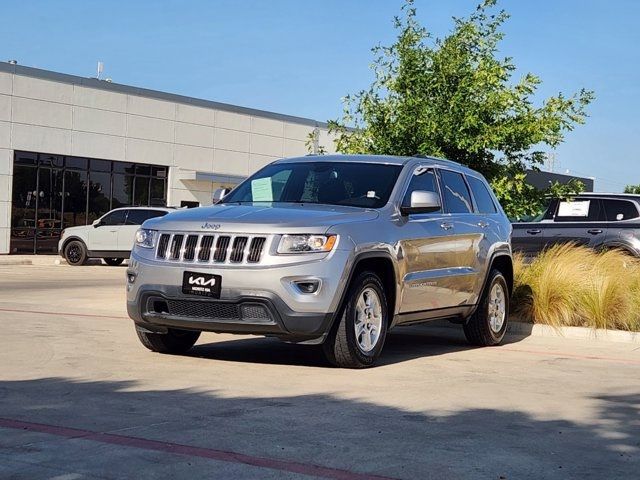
[
  {"x": 135, "y": 218},
  {"x": 622, "y": 220}
]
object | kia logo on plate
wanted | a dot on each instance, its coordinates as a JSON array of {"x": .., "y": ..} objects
[
  {"x": 211, "y": 226},
  {"x": 202, "y": 282}
]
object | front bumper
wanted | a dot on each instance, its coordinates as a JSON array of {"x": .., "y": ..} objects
[{"x": 258, "y": 300}]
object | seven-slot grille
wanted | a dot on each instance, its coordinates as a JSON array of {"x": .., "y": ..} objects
[{"x": 210, "y": 248}]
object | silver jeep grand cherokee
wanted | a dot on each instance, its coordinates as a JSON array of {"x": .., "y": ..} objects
[{"x": 333, "y": 250}]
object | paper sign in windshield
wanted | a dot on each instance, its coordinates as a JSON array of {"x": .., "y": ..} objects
[
  {"x": 574, "y": 209},
  {"x": 261, "y": 190}
]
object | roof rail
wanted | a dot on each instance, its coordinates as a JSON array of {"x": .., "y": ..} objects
[{"x": 439, "y": 160}]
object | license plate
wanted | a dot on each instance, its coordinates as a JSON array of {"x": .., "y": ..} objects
[{"x": 203, "y": 284}]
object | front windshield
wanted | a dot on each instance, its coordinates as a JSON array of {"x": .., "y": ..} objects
[{"x": 366, "y": 185}]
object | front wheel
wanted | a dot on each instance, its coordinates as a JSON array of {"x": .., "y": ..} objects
[
  {"x": 113, "y": 262},
  {"x": 174, "y": 341},
  {"x": 357, "y": 338},
  {"x": 75, "y": 253},
  {"x": 487, "y": 326}
]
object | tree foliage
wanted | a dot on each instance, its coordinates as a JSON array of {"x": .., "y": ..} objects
[
  {"x": 632, "y": 189},
  {"x": 454, "y": 97}
]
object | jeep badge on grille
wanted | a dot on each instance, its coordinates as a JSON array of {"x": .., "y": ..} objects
[{"x": 211, "y": 226}]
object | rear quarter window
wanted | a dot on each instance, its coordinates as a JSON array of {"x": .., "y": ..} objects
[
  {"x": 483, "y": 198},
  {"x": 618, "y": 210}
]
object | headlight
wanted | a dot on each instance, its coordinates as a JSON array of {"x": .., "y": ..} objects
[
  {"x": 146, "y": 238},
  {"x": 306, "y": 243}
]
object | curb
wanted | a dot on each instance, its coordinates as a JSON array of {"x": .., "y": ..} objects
[
  {"x": 10, "y": 261},
  {"x": 523, "y": 329}
]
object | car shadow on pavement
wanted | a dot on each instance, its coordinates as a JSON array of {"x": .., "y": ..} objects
[
  {"x": 321, "y": 430},
  {"x": 402, "y": 344}
]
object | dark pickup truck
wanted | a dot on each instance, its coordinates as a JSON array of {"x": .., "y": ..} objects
[{"x": 596, "y": 220}]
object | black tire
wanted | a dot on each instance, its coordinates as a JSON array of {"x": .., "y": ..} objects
[
  {"x": 478, "y": 329},
  {"x": 342, "y": 348},
  {"x": 75, "y": 253},
  {"x": 113, "y": 262},
  {"x": 174, "y": 341}
]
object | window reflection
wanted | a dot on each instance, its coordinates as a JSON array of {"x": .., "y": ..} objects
[{"x": 52, "y": 192}]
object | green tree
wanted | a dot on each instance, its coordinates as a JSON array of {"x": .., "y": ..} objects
[
  {"x": 632, "y": 189},
  {"x": 454, "y": 97}
]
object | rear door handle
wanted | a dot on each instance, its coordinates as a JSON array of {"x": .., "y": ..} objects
[
  {"x": 594, "y": 231},
  {"x": 446, "y": 226},
  {"x": 534, "y": 231}
]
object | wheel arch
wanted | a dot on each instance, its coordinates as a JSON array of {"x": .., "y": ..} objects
[
  {"x": 380, "y": 263},
  {"x": 503, "y": 262},
  {"x": 71, "y": 239}
]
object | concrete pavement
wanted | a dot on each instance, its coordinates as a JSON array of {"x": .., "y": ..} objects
[{"x": 81, "y": 398}]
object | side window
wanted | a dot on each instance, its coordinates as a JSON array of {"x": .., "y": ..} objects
[
  {"x": 114, "y": 218},
  {"x": 456, "y": 194},
  {"x": 137, "y": 217},
  {"x": 423, "y": 180},
  {"x": 484, "y": 200},
  {"x": 580, "y": 210},
  {"x": 616, "y": 210}
]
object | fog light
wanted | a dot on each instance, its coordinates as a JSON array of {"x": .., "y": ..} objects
[
  {"x": 307, "y": 286},
  {"x": 131, "y": 277}
]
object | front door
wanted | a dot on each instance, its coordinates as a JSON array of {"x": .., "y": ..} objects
[
  {"x": 433, "y": 249},
  {"x": 104, "y": 235}
]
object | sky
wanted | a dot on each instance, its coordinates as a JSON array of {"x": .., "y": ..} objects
[{"x": 300, "y": 57}]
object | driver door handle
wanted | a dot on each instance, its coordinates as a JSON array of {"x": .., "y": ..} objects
[
  {"x": 482, "y": 224},
  {"x": 534, "y": 231},
  {"x": 446, "y": 226},
  {"x": 594, "y": 231}
]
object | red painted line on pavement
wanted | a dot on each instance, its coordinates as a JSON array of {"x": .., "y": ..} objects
[
  {"x": 571, "y": 355},
  {"x": 64, "y": 314},
  {"x": 179, "y": 449}
]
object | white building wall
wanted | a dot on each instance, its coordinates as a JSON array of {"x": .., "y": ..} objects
[{"x": 67, "y": 117}]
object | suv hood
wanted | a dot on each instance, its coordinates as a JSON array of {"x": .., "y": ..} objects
[{"x": 268, "y": 219}]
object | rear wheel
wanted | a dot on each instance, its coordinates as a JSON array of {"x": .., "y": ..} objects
[
  {"x": 75, "y": 253},
  {"x": 487, "y": 326},
  {"x": 357, "y": 338},
  {"x": 174, "y": 341},
  {"x": 113, "y": 262}
]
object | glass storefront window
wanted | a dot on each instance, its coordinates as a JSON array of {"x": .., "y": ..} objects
[
  {"x": 100, "y": 165},
  {"x": 77, "y": 163},
  {"x": 143, "y": 169},
  {"x": 52, "y": 192},
  {"x": 23, "y": 209},
  {"x": 122, "y": 191},
  {"x": 75, "y": 198},
  {"x": 51, "y": 161},
  {"x": 158, "y": 192},
  {"x": 141, "y": 192},
  {"x": 99, "y": 194},
  {"x": 124, "y": 167}
]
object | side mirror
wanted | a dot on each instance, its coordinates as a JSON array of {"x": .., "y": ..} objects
[
  {"x": 219, "y": 194},
  {"x": 96, "y": 223},
  {"x": 422, "y": 202}
]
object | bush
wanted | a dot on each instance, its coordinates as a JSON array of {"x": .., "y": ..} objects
[{"x": 569, "y": 285}]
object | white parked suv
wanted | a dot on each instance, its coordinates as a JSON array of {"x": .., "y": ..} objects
[{"x": 110, "y": 237}]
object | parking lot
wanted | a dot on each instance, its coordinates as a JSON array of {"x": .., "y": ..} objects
[{"x": 81, "y": 398}]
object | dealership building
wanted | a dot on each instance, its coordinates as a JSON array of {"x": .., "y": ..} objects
[{"x": 72, "y": 148}]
